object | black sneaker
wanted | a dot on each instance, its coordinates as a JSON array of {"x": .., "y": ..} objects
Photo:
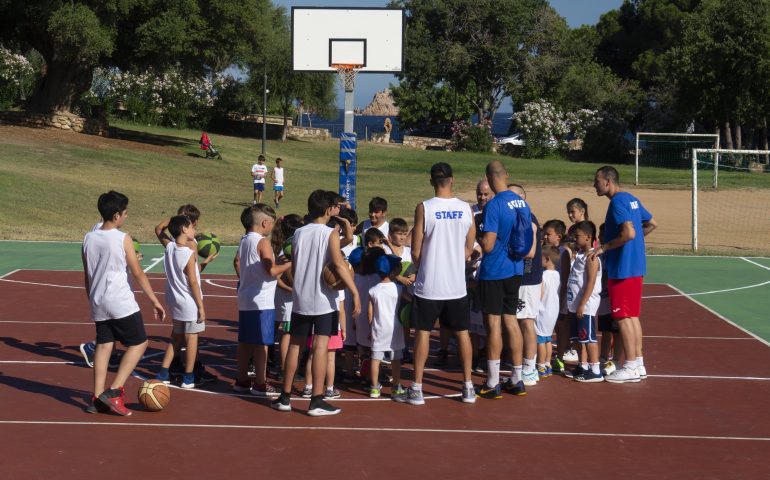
[
  {"x": 319, "y": 408},
  {"x": 517, "y": 388},
  {"x": 282, "y": 403},
  {"x": 201, "y": 375},
  {"x": 96, "y": 406},
  {"x": 442, "y": 359},
  {"x": 578, "y": 370},
  {"x": 484, "y": 391}
]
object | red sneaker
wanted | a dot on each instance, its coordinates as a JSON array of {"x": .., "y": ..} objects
[
  {"x": 96, "y": 406},
  {"x": 114, "y": 399}
]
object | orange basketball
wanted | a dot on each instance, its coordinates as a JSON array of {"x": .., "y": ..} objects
[
  {"x": 154, "y": 395},
  {"x": 332, "y": 279}
]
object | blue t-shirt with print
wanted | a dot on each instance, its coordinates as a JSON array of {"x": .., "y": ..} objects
[
  {"x": 629, "y": 260},
  {"x": 499, "y": 216}
]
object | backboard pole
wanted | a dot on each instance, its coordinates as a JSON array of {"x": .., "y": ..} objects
[{"x": 348, "y": 141}]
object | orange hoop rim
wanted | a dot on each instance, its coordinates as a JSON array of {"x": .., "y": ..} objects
[{"x": 347, "y": 66}]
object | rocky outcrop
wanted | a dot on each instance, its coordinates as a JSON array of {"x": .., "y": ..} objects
[{"x": 382, "y": 105}]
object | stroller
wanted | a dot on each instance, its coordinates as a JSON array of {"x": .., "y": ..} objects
[{"x": 205, "y": 144}]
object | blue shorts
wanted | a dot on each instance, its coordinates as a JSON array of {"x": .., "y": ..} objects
[
  {"x": 259, "y": 187},
  {"x": 542, "y": 339},
  {"x": 256, "y": 327},
  {"x": 583, "y": 329},
  {"x": 278, "y": 188}
]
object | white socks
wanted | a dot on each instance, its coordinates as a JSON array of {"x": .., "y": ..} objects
[
  {"x": 529, "y": 365},
  {"x": 493, "y": 373}
]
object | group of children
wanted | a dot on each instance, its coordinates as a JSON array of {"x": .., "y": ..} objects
[{"x": 282, "y": 297}]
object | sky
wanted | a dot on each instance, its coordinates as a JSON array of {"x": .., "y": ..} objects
[{"x": 577, "y": 13}]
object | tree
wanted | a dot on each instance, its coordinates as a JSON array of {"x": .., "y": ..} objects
[
  {"x": 423, "y": 105},
  {"x": 76, "y": 36},
  {"x": 474, "y": 47},
  {"x": 314, "y": 91},
  {"x": 720, "y": 68}
]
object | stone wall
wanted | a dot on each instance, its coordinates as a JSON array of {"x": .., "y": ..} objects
[
  {"x": 61, "y": 120},
  {"x": 427, "y": 143},
  {"x": 306, "y": 133}
]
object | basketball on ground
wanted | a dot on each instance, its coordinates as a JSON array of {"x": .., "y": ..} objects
[
  {"x": 154, "y": 395},
  {"x": 208, "y": 244},
  {"x": 332, "y": 279}
]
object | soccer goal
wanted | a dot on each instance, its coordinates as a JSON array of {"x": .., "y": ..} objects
[
  {"x": 734, "y": 218},
  {"x": 667, "y": 150}
]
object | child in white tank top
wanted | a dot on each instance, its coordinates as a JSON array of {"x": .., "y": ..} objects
[{"x": 184, "y": 298}]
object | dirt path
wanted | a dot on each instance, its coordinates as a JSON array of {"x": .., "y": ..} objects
[{"x": 729, "y": 220}]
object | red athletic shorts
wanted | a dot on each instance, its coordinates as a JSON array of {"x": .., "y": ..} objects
[{"x": 625, "y": 297}]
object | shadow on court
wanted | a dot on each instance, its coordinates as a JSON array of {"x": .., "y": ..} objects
[
  {"x": 46, "y": 349},
  {"x": 66, "y": 395}
]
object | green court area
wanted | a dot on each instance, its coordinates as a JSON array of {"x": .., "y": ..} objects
[{"x": 737, "y": 288}]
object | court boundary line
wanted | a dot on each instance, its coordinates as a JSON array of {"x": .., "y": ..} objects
[
  {"x": 209, "y": 281},
  {"x": 722, "y": 317},
  {"x": 387, "y": 429},
  {"x": 755, "y": 263}
]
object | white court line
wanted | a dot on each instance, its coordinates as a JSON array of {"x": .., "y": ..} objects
[
  {"x": 682, "y": 294},
  {"x": 35, "y": 322},
  {"x": 211, "y": 282},
  {"x": 9, "y": 273},
  {"x": 387, "y": 429},
  {"x": 755, "y": 263},
  {"x": 155, "y": 261},
  {"x": 39, "y": 284},
  {"x": 698, "y": 338},
  {"x": 722, "y": 317}
]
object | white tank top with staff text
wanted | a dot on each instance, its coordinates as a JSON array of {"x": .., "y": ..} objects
[
  {"x": 178, "y": 294},
  {"x": 257, "y": 288},
  {"x": 441, "y": 274},
  {"x": 110, "y": 296},
  {"x": 310, "y": 253}
]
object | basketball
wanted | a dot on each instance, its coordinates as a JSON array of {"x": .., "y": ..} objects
[
  {"x": 287, "y": 248},
  {"x": 408, "y": 269},
  {"x": 332, "y": 279},
  {"x": 154, "y": 395},
  {"x": 137, "y": 247},
  {"x": 208, "y": 244}
]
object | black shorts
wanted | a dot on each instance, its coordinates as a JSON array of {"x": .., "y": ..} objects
[
  {"x": 606, "y": 324},
  {"x": 127, "y": 330},
  {"x": 305, "y": 325},
  {"x": 454, "y": 314},
  {"x": 500, "y": 297}
]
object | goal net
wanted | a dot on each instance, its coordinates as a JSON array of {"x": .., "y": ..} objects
[
  {"x": 658, "y": 151},
  {"x": 730, "y": 201}
]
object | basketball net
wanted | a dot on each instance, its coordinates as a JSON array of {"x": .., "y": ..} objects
[{"x": 347, "y": 74}]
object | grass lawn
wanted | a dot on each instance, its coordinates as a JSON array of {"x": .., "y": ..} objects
[{"x": 49, "y": 185}]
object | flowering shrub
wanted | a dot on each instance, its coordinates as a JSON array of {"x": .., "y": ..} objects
[
  {"x": 474, "y": 138},
  {"x": 16, "y": 77},
  {"x": 151, "y": 97},
  {"x": 545, "y": 128}
]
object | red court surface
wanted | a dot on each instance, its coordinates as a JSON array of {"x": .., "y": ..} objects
[{"x": 701, "y": 413}]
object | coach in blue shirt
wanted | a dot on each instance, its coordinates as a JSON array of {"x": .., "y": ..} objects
[{"x": 623, "y": 251}]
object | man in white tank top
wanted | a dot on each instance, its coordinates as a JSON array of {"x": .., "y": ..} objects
[
  {"x": 442, "y": 240},
  {"x": 315, "y": 306},
  {"x": 108, "y": 254}
]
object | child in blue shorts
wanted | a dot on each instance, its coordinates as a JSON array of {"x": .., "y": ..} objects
[
  {"x": 258, "y": 272},
  {"x": 583, "y": 288}
]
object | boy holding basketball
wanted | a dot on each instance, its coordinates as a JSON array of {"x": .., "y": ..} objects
[
  {"x": 184, "y": 297},
  {"x": 108, "y": 254},
  {"x": 315, "y": 304},
  {"x": 258, "y": 273},
  {"x": 259, "y": 172}
]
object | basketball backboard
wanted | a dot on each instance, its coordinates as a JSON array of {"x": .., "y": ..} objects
[{"x": 325, "y": 36}]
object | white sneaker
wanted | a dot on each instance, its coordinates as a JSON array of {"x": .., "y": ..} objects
[
  {"x": 307, "y": 392},
  {"x": 608, "y": 367},
  {"x": 623, "y": 375},
  {"x": 570, "y": 356},
  {"x": 642, "y": 371},
  {"x": 530, "y": 379}
]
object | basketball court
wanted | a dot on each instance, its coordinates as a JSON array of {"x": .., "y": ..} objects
[{"x": 700, "y": 410}]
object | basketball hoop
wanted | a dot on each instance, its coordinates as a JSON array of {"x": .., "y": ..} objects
[{"x": 347, "y": 73}]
